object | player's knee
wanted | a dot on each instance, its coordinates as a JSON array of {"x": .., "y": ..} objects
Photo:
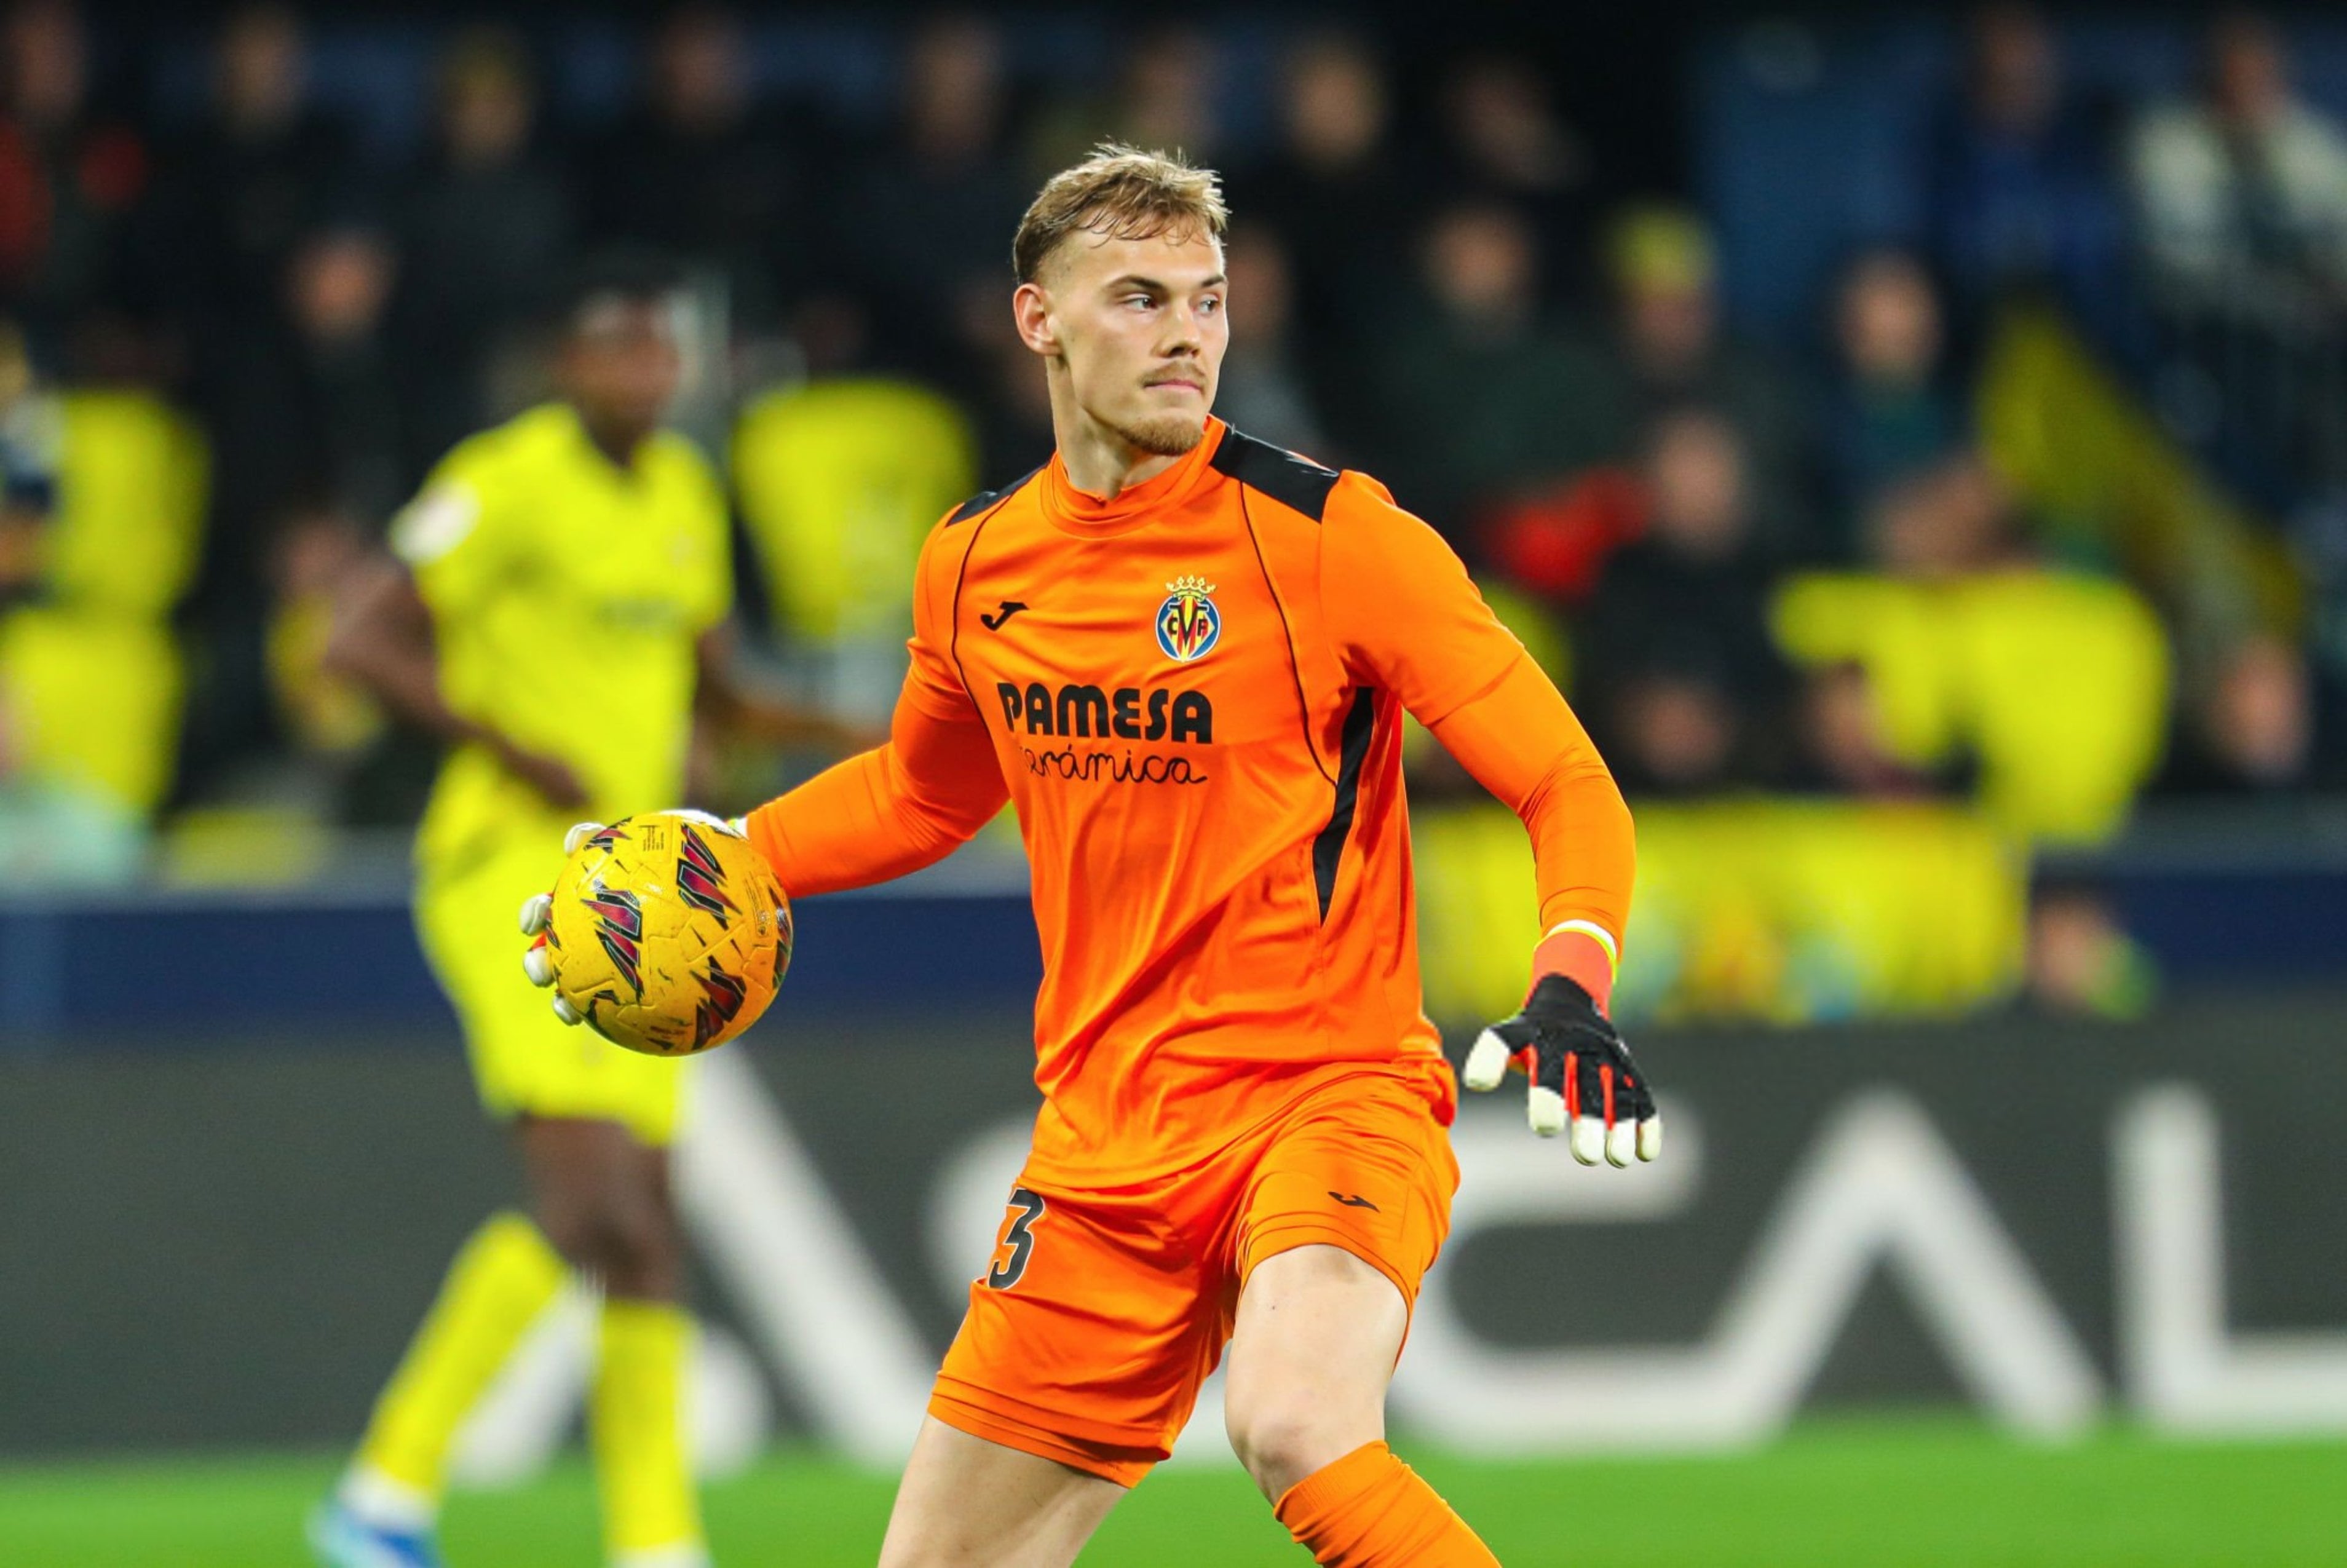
[
  {"x": 576, "y": 1231},
  {"x": 645, "y": 1251},
  {"x": 1282, "y": 1432},
  {"x": 628, "y": 1241}
]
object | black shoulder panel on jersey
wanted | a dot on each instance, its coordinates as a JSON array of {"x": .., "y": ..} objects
[
  {"x": 986, "y": 498},
  {"x": 1297, "y": 483}
]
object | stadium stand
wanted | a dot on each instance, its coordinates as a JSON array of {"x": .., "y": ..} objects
[{"x": 1887, "y": 418}]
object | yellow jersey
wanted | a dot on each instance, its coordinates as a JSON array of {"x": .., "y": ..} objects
[{"x": 566, "y": 594}]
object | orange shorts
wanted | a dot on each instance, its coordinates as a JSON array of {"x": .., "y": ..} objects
[{"x": 1106, "y": 1308}]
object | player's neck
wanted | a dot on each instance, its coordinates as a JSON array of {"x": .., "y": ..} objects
[
  {"x": 1100, "y": 461},
  {"x": 617, "y": 443}
]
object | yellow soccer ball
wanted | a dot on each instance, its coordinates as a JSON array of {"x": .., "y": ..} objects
[{"x": 668, "y": 932}]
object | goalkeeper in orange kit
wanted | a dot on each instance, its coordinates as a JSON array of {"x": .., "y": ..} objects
[{"x": 1184, "y": 655}]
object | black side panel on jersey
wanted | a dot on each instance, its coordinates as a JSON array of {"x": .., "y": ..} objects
[
  {"x": 986, "y": 498},
  {"x": 1294, "y": 482},
  {"x": 1328, "y": 845},
  {"x": 1287, "y": 634}
]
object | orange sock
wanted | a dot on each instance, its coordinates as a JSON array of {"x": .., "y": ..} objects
[{"x": 1369, "y": 1509}]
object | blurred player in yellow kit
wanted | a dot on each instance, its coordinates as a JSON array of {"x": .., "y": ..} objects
[{"x": 557, "y": 614}]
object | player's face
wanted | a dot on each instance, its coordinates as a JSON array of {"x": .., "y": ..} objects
[
  {"x": 623, "y": 363},
  {"x": 1139, "y": 326}
]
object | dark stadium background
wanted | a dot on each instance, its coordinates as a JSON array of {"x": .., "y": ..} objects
[{"x": 1943, "y": 527}]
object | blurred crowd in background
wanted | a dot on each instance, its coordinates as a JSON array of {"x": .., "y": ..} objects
[{"x": 2041, "y": 507}]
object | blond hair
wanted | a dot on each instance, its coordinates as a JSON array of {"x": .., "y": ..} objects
[{"x": 1124, "y": 193}]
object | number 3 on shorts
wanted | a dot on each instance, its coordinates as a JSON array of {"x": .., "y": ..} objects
[{"x": 1017, "y": 1241}]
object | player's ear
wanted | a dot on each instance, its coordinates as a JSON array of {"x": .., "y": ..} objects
[{"x": 1031, "y": 309}]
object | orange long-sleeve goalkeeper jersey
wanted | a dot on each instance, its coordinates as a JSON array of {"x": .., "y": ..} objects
[{"x": 1193, "y": 693}]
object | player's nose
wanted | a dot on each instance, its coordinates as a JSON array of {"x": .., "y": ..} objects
[{"x": 1187, "y": 333}]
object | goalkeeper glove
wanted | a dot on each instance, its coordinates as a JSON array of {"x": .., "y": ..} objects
[
  {"x": 1580, "y": 1071},
  {"x": 537, "y": 912}
]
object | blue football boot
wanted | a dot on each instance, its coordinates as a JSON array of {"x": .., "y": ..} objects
[{"x": 343, "y": 1540}]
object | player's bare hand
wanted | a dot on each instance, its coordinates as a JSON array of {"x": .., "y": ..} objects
[
  {"x": 538, "y": 913},
  {"x": 20, "y": 549},
  {"x": 1580, "y": 1071},
  {"x": 549, "y": 777}
]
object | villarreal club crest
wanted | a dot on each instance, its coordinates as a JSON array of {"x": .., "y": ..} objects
[{"x": 1188, "y": 624}]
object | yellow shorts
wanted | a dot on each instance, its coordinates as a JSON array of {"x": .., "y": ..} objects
[{"x": 526, "y": 1062}]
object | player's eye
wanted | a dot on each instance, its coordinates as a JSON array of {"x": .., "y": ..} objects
[
  {"x": 1212, "y": 305},
  {"x": 1142, "y": 301}
]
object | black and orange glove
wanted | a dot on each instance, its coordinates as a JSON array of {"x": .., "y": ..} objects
[
  {"x": 537, "y": 914},
  {"x": 1580, "y": 1071}
]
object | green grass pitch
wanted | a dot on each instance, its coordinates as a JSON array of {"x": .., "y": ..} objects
[{"x": 1878, "y": 1492}]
